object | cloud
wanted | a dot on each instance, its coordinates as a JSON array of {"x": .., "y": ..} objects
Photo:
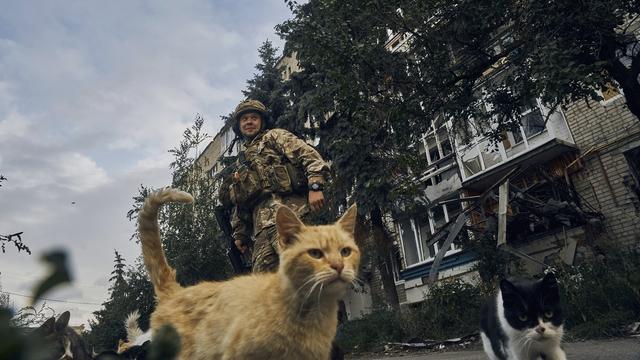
[{"x": 92, "y": 95}]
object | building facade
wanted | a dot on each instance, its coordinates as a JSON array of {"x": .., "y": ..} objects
[{"x": 572, "y": 189}]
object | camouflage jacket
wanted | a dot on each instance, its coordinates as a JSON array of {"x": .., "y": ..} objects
[{"x": 275, "y": 147}]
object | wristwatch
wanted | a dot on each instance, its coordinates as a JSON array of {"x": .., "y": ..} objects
[{"x": 316, "y": 186}]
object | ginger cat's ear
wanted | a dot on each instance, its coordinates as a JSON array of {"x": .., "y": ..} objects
[
  {"x": 288, "y": 226},
  {"x": 348, "y": 220}
]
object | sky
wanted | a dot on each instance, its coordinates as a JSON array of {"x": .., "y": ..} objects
[{"x": 92, "y": 96}]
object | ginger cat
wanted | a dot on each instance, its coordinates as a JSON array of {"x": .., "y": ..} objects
[{"x": 290, "y": 314}]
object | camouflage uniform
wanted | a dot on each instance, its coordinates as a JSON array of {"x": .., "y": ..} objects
[{"x": 266, "y": 154}]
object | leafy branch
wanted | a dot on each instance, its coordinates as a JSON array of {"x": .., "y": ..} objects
[{"x": 15, "y": 238}]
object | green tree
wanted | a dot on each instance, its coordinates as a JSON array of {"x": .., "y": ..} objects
[
  {"x": 140, "y": 292},
  {"x": 190, "y": 234},
  {"x": 462, "y": 55},
  {"x": 345, "y": 88},
  {"x": 108, "y": 326},
  {"x": 267, "y": 85}
]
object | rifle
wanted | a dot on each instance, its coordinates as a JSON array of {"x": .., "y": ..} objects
[{"x": 239, "y": 261}]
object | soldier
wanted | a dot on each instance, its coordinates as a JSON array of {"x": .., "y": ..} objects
[{"x": 274, "y": 168}]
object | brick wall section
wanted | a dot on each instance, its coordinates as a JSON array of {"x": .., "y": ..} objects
[{"x": 600, "y": 182}]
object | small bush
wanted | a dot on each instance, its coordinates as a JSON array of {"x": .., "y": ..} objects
[
  {"x": 451, "y": 309},
  {"x": 371, "y": 331},
  {"x": 602, "y": 296}
]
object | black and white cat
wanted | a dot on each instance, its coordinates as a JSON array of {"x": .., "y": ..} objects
[{"x": 524, "y": 321}]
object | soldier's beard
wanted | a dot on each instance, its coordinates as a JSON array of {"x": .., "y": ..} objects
[{"x": 250, "y": 137}]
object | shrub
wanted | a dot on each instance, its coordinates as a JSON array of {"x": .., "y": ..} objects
[
  {"x": 372, "y": 330},
  {"x": 451, "y": 309},
  {"x": 602, "y": 296}
]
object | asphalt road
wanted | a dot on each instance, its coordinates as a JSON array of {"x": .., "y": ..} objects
[{"x": 613, "y": 349}]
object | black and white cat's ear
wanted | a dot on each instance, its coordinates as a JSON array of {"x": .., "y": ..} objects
[
  {"x": 288, "y": 225},
  {"x": 62, "y": 322},
  {"x": 550, "y": 288},
  {"x": 507, "y": 288},
  {"x": 510, "y": 294},
  {"x": 348, "y": 220},
  {"x": 47, "y": 327},
  {"x": 549, "y": 281}
]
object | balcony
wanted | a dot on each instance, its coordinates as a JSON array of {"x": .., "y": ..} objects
[{"x": 532, "y": 144}]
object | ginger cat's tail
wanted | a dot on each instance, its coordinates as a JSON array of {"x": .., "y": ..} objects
[{"x": 163, "y": 277}]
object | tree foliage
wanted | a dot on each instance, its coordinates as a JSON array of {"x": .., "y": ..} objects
[
  {"x": 267, "y": 85},
  {"x": 190, "y": 233},
  {"x": 463, "y": 55},
  {"x": 108, "y": 325}
]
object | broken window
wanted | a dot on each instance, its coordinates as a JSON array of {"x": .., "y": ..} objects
[
  {"x": 532, "y": 122},
  {"x": 472, "y": 166},
  {"x": 437, "y": 214},
  {"x": 454, "y": 208},
  {"x": 445, "y": 143},
  {"x": 409, "y": 243},
  {"x": 491, "y": 158},
  {"x": 516, "y": 135},
  {"x": 437, "y": 142},
  {"x": 425, "y": 235},
  {"x": 416, "y": 233},
  {"x": 434, "y": 153}
]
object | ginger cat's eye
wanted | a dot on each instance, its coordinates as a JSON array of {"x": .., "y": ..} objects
[
  {"x": 523, "y": 317},
  {"x": 315, "y": 253},
  {"x": 548, "y": 314},
  {"x": 345, "y": 252}
]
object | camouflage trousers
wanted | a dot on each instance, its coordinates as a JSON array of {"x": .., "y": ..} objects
[{"x": 265, "y": 251}]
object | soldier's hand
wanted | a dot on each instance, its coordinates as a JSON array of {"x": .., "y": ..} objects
[
  {"x": 316, "y": 200},
  {"x": 242, "y": 247}
]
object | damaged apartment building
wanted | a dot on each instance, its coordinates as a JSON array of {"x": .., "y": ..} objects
[{"x": 563, "y": 187}]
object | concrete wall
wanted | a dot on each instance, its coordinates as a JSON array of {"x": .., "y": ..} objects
[{"x": 417, "y": 290}]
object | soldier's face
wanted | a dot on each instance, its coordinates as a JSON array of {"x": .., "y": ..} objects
[{"x": 250, "y": 124}]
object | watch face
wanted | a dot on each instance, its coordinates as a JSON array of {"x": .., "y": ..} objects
[{"x": 315, "y": 187}]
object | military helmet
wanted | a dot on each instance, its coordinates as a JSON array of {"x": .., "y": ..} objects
[{"x": 250, "y": 106}]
